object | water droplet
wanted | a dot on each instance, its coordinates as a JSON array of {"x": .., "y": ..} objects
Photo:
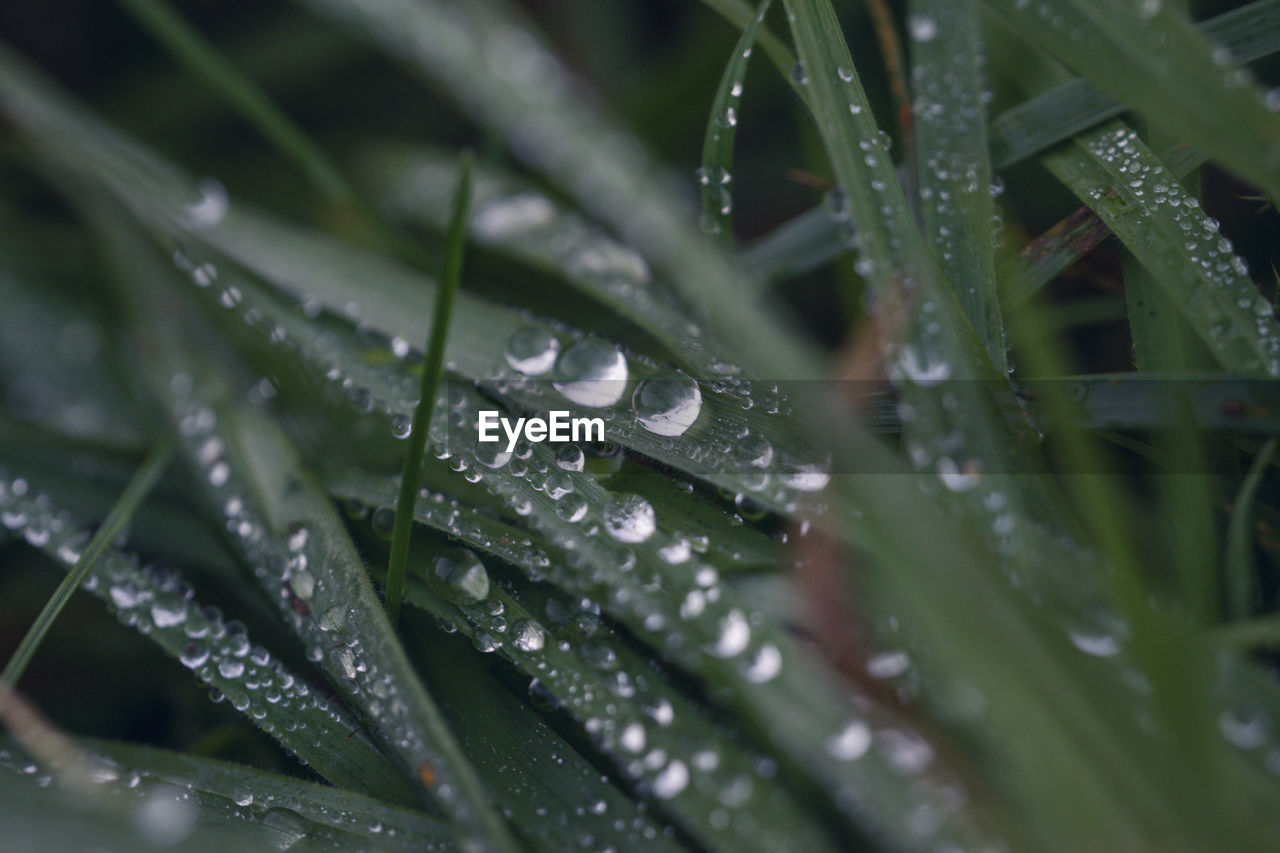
[
  {"x": 527, "y": 635},
  {"x": 922, "y": 28},
  {"x": 851, "y": 742},
  {"x": 671, "y": 781},
  {"x": 667, "y": 403},
  {"x": 570, "y": 458},
  {"x": 591, "y": 373},
  {"x": 461, "y": 576},
  {"x": 629, "y": 518},
  {"x": 735, "y": 633},
  {"x": 242, "y": 796},
  {"x": 532, "y": 350}
]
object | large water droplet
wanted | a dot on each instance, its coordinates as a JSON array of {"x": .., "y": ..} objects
[
  {"x": 591, "y": 373},
  {"x": 532, "y": 350},
  {"x": 671, "y": 781},
  {"x": 461, "y": 576},
  {"x": 527, "y": 636},
  {"x": 667, "y": 403},
  {"x": 629, "y": 518}
]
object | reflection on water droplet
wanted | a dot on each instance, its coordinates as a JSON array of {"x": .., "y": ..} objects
[
  {"x": 527, "y": 635},
  {"x": 532, "y": 350},
  {"x": 591, "y": 373},
  {"x": 629, "y": 518},
  {"x": 765, "y": 664},
  {"x": 667, "y": 403}
]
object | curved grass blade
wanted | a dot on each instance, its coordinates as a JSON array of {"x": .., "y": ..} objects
[
  {"x": 716, "y": 172},
  {"x": 220, "y": 654},
  {"x": 285, "y": 528},
  {"x": 432, "y": 369},
  {"x": 1239, "y": 564},
  {"x": 1113, "y": 172},
  {"x": 205, "y": 62},
  {"x": 1127, "y": 50},
  {"x": 290, "y": 813},
  {"x": 113, "y": 525},
  {"x": 1246, "y": 34},
  {"x": 953, "y": 164}
]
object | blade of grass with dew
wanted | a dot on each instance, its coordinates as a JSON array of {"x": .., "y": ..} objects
[
  {"x": 241, "y": 94},
  {"x": 289, "y": 812},
  {"x": 716, "y": 172},
  {"x": 541, "y": 771},
  {"x": 51, "y": 819},
  {"x": 113, "y": 525},
  {"x": 1125, "y": 50},
  {"x": 322, "y": 734},
  {"x": 954, "y": 170},
  {"x": 1239, "y": 565},
  {"x": 1246, "y": 34},
  {"x": 432, "y": 370},
  {"x": 595, "y": 680},
  {"x": 285, "y": 528},
  {"x": 1113, "y": 172}
]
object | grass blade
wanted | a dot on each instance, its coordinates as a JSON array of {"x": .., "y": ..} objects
[
  {"x": 1125, "y": 50},
  {"x": 432, "y": 370},
  {"x": 135, "y": 493},
  {"x": 1113, "y": 172},
  {"x": 1247, "y": 34},
  {"x": 716, "y": 172},
  {"x": 952, "y": 160},
  {"x": 1240, "y": 566}
]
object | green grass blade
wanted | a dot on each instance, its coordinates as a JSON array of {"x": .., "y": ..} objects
[
  {"x": 432, "y": 370},
  {"x": 1126, "y": 50},
  {"x": 240, "y": 93},
  {"x": 1239, "y": 565},
  {"x": 1248, "y": 33},
  {"x": 741, "y": 15},
  {"x": 323, "y": 734},
  {"x": 289, "y": 812},
  {"x": 954, "y": 169},
  {"x": 113, "y": 525},
  {"x": 716, "y": 172},
  {"x": 1113, "y": 172}
]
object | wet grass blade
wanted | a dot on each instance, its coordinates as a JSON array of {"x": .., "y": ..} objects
[
  {"x": 716, "y": 173},
  {"x": 741, "y": 15},
  {"x": 1247, "y": 34},
  {"x": 953, "y": 166},
  {"x": 113, "y": 525},
  {"x": 240, "y": 93},
  {"x": 323, "y": 734},
  {"x": 1125, "y": 50},
  {"x": 1240, "y": 567},
  {"x": 432, "y": 371},
  {"x": 1113, "y": 172}
]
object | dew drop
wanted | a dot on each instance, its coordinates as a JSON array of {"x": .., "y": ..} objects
[
  {"x": 667, "y": 403},
  {"x": 629, "y": 518},
  {"x": 460, "y": 575},
  {"x": 591, "y": 373},
  {"x": 532, "y": 350}
]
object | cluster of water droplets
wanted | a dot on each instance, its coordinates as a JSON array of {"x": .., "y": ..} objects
[
  {"x": 1224, "y": 304},
  {"x": 159, "y": 604}
]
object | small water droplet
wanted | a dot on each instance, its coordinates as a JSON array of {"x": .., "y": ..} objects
[{"x": 532, "y": 350}]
